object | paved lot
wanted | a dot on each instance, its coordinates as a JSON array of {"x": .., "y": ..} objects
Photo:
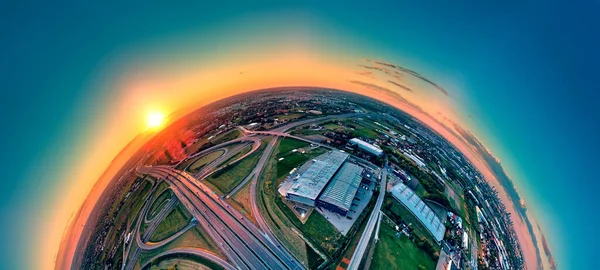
[{"x": 343, "y": 224}]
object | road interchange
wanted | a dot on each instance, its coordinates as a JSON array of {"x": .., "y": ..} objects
[{"x": 244, "y": 244}]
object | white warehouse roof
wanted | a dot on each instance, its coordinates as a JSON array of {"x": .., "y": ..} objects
[
  {"x": 342, "y": 188},
  {"x": 367, "y": 146},
  {"x": 315, "y": 178},
  {"x": 420, "y": 209}
]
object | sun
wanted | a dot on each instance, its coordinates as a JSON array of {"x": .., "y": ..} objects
[{"x": 155, "y": 119}]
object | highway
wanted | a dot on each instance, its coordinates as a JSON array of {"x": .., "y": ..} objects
[
  {"x": 244, "y": 244},
  {"x": 192, "y": 251},
  {"x": 210, "y": 167},
  {"x": 373, "y": 221},
  {"x": 132, "y": 252}
]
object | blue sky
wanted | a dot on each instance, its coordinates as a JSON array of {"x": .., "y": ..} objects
[{"x": 524, "y": 71}]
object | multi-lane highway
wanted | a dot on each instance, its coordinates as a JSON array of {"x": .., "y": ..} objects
[
  {"x": 192, "y": 251},
  {"x": 244, "y": 244}
]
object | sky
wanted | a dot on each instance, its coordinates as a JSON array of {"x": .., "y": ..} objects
[{"x": 79, "y": 78}]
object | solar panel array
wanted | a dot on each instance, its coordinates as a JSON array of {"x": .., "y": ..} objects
[{"x": 420, "y": 209}]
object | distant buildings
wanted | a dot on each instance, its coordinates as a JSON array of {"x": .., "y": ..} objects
[
  {"x": 420, "y": 209},
  {"x": 417, "y": 159},
  {"x": 367, "y": 147}
]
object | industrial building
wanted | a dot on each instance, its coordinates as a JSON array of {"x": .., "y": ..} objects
[
  {"x": 311, "y": 183},
  {"x": 340, "y": 191},
  {"x": 367, "y": 147},
  {"x": 420, "y": 209}
]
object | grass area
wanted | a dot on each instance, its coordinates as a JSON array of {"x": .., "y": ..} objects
[
  {"x": 293, "y": 160},
  {"x": 176, "y": 220},
  {"x": 229, "y": 177},
  {"x": 290, "y": 162},
  {"x": 288, "y": 116},
  {"x": 239, "y": 154},
  {"x": 314, "y": 260},
  {"x": 203, "y": 160},
  {"x": 241, "y": 202},
  {"x": 194, "y": 237},
  {"x": 306, "y": 131},
  {"x": 316, "y": 228},
  {"x": 396, "y": 210},
  {"x": 125, "y": 212},
  {"x": 159, "y": 203},
  {"x": 280, "y": 225},
  {"x": 286, "y": 145},
  {"x": 420, "y": 190},
  {"x": 319, "y": 230},
  {"x": 362, "y": 129},
  {"x": 161, "y": 187},
  {"x": 227, "y": 136},
  {"x": 439, "y": 210},
  {"x": 393, "y": 252},
  {"x": 183, "y": 261},
  {"x": 333, "y": 126}
]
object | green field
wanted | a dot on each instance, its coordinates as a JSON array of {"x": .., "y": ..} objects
[
  {"x": 203, "y": 160},
  {"x": 290, "y": 162},
  {"x": 362, "y": 129},
  {"x": 293, "y": 160},
  {"x": 239, "y": 154},
  {"x": 306, "y": 131},
  {"x": 241, "y": 201},
  {"x": 333, "y": 126},
  {"x": 319, "y": 230},
  {"x": 288, "y": 116},
  {"x": 286, "y": 145},
  {"x": 393, "y": 252},
  {"x": 283, "y": 221},
  {"x": 183, "y": 261},
  {"x": 396, "y": 210},
  {"x": 176, "y": 220},
  {"x": 229, "y": 177},
  {"x": 227, "y": 136},
  {"x": 124, "y": 213},
  {"x": 158, "y": 203}
]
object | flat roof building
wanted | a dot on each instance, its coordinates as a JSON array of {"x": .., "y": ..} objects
[
  {"x": 311, "y": 183},
  {"x": 420, "y": 209},
  {"x": 340, "y": 191},
  {"x": 367, "y": 147}
]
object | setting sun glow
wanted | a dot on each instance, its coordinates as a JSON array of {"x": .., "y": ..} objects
[{"x": 155, "y": 119}]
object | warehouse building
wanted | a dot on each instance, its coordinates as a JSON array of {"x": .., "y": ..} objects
[
  {"x": 340, "y": 191},
  {"x": 367, "y": 147},
  {"x": 311, "y": 183},
  {"x": 420, "y": 209}
]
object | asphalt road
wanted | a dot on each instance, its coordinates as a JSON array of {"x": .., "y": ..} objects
[
  {"x": 192, "y": 251},
  {"x": 247, "y": 246},
  {"x": 373, "y": 221}
]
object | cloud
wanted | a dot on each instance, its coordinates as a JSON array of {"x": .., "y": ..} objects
[
  {"x": 547, "y": 251},
  {"x": 401, "y": 86},
  {"x": 398, "y": 71},
  {"x": 385, "y": 90},
  {"x": 376, "y": 87},
  {"x": 366, "y": 73}
]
